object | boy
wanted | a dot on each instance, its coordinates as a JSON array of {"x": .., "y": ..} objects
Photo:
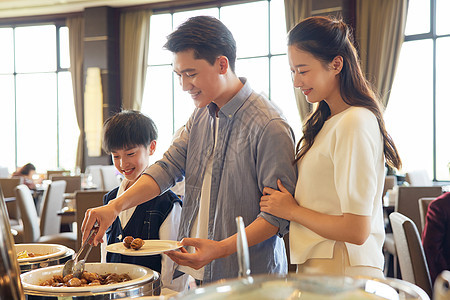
[
  {"x": 234, "y": 144},
  {"x": 130, "y": 137}
]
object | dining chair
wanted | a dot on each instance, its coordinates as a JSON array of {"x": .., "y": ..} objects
[
  {"x": 73, "y": 183},
  {"x": 109, "y": 177},
  {"x": 50, "y": 173},
  {"x": 83, "y": 201},
  {"x": 4, "y": 173},
  {"x": 94, "y": 172},
  {"x": 389, "y": 182},
  {"x": 411, "y": 257},
  {"x": 8, "y": 185},
  {"x": 31, "y": 232},
  {"x": 418, "y": 178},
  {"x": 406, "y": 203},
  {"x": 423, "y": 208},
  {"x": 50, "y": 222}
]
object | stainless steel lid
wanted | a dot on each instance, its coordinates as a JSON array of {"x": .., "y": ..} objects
[
  {"x": 10, "y": 284},
  {"x": 299, "y": 286},
  {"x": 306, "y": 287}
]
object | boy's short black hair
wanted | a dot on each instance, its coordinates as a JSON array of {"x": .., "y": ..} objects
[
  {"x": 207, "y": 36},
  {"x": 128, "y": 129}
]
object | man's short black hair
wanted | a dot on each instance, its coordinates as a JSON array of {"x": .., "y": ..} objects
[
  {"x": 207, "y": 36},
  {"x": 128, "y": 129}
]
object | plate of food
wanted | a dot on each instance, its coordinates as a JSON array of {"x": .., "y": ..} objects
[
  {"x": 35, "y": 252},
  {"x": 138, "y": 247}
]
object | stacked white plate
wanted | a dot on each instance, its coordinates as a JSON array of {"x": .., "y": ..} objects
[
  {"x": 46, "y": 255},
  {"x": 42, "y": 251}
]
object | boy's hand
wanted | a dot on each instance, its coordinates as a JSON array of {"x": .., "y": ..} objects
[{"x": 104, "y": 215}]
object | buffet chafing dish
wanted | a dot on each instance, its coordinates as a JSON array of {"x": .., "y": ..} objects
[
  {"x": 306, "y": 287},
  {"x": 145, "y": 282},
  {"x": 10, "y": 284},
  {"x": 60, "y": 256},
  {"x": 299, "y": 286}
]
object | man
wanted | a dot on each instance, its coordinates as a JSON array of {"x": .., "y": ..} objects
[
  {"x": 436, "y": 236},
  {"x": 234, "y": 144}
]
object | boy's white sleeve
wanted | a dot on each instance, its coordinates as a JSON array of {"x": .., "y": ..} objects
[{"x": 103, "y": 251}]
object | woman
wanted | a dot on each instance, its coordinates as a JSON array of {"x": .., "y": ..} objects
[
  {"x": 26, "y": 172},
  {"x": 336, "y": 217}
]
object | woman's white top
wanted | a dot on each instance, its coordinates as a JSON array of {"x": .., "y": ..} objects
[{"x": 343, "y": 172}]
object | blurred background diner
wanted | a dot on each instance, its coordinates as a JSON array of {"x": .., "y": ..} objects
[
  {"x": 27, "y": 172},
  {"x": 66, "y": 66}
]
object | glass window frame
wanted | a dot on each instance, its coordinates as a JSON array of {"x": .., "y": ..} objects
[
  {"x": 175, "y": 94},
  {"x": 433, "y": 36},
  {"x": 58, "y": 25}
]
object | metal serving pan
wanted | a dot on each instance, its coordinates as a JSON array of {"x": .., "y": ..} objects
[
  {"x": 145, "y": 282},
  {"x": 37, "y": 264}
]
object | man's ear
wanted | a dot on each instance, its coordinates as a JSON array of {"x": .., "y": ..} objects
[
  {"x": 223, "y": 64},
  {"x": 151, "y": 147}
]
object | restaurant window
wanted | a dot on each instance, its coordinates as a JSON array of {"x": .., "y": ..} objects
[
  {"x": 38, "y": 115},
  {"x": 261, "y": 58},
  {"x": 417, "y": 112}
]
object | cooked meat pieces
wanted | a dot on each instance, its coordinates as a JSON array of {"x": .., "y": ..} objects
[
  {"x": 137, "y": 243},
  {"x": 127, "y": 241},
  {"x": 74, "y": 282},
  {"x": 95, "y": 282},
  {"x": 87, "y": 278},
  {"x": 67, "y": 278},
  {"x": 112, "y": 278},
  {"x": 131, "y": 242}
]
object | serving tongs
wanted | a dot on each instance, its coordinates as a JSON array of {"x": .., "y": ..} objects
[{"x": 75, "y": 267}]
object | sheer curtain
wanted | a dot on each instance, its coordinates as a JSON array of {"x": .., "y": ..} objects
[
  {"x": 295, "y": 11},
  {"x": 134, "y": 43},
  {"x": 76, "y": 45},
  {"x": 380, "y": 27}
]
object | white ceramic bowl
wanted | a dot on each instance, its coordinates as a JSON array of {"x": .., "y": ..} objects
[
  {"x": 46, "y": 251},
  {"x": 31, "y": 280}
]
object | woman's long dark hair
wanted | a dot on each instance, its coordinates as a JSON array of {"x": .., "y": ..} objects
[{"x": 325, "y": 39}]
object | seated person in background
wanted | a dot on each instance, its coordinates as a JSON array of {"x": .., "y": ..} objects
[
  {"x": 130, "y": 137},
  {"x": 436, "y": 235},
  {"x": 26, "y": 172}
]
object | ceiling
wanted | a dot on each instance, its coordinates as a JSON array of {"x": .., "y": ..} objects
[{"x": 20, "y": 8}]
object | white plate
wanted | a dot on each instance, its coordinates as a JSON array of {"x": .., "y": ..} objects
[
  {"x": 48, "y": 251},
  {"x": 31, "y": 280},
  {"x": 151, "y": 247}
]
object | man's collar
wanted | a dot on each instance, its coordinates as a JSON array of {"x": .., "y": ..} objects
[{"x": 232, "y": 106}]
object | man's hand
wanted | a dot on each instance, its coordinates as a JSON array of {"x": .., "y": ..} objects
[{"x": 205, "y": 252}]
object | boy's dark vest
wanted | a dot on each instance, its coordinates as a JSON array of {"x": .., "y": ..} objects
[{"x": 145, "y": 222}]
